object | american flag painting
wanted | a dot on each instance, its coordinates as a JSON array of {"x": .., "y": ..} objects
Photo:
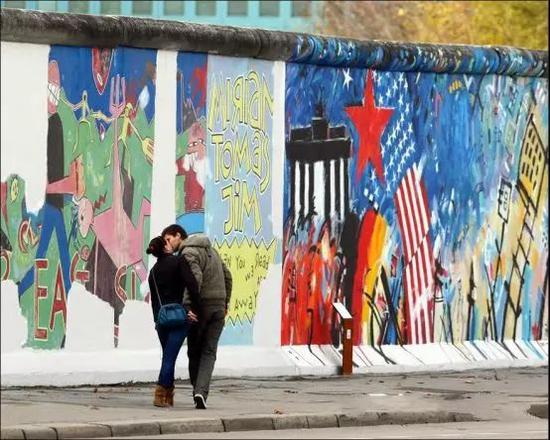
[
  {"x": 412, "y": 226},
  {"x": 403, "y": 182},
  {"x": 412, "y": 214}
]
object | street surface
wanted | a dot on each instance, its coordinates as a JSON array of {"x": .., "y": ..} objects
[{"x": 501, "y": 397}]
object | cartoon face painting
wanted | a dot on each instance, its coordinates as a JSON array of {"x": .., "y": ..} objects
[{"x": 101, "y": 66}]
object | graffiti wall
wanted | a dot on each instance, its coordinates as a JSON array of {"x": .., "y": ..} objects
[
  {"x": 410, "y": 186},
  {"x": 191, "y": 141},
  {"x": 238, "y": 194},
  {"x": 418, "y": 200},
  {"x": 93, "y": 224}
]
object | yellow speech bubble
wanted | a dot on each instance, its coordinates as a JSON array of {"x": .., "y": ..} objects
[{"x": 249, "y": 263}]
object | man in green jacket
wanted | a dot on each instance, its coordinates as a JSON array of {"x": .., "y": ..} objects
[{"x": 215, "y": 283}]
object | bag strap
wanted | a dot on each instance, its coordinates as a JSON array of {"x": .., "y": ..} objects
[{"x": 156, "y": 288}]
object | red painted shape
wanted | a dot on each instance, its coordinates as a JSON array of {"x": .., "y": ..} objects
[
  {"x": 79, "y": 275},
  {"x": 40, "y": 292},
  {"x": 59, "y": 304},
  {"x": 198, "y": 85},
  {"x": 370, "y": 122},
  {"x": 102, "y": 59},
  {"x": 4, "y": 200}
]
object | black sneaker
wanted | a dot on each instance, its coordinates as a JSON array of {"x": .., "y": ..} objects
[{"x": 200, "y": 401}]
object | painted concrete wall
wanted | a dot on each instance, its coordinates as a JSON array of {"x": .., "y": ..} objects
[{"x": 419, "y": 200}]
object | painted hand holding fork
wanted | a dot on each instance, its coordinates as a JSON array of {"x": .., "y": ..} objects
[{"x": 116, "y": 107}]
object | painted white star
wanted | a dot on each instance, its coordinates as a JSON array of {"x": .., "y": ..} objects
[{"x": 347, "y": 78}]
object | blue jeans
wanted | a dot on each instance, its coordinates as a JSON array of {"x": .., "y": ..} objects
[{"x": 171, "y": 341}]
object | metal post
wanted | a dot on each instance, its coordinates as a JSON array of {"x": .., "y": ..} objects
[{"x": 347, "y": 340}]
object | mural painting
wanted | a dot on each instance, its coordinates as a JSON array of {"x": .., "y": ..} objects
[
  {"x": 419, "y": 200},
  {"x": 238, "y": 191},
  {"x": 191, "y": 141},
  {"x": 93, "y": 226}
]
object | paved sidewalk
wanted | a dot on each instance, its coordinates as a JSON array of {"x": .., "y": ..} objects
[{"x": 275, "y": 403}]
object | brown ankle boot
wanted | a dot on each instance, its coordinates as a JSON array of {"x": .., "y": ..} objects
[
  {"x": 170, "y": 396},
  {"x": 160, "y": 396}
]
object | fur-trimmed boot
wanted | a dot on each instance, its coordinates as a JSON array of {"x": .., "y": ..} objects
[
  {"x": 161, "y": 396},
  {"x": 170, "y": 396}
]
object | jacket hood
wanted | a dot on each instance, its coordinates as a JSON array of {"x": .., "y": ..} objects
[{"x": 197, "y": 240}]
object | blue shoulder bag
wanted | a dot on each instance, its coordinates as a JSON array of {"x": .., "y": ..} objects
[{"x": 170, "y": 315}]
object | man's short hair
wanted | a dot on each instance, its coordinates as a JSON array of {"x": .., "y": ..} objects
[{"x": 173, "y": 230}]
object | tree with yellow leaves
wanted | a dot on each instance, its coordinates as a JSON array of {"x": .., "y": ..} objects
[{"x": 503, "y": 23}]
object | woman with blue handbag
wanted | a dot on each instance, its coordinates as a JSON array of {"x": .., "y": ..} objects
[{"x": 168, "y": 279}]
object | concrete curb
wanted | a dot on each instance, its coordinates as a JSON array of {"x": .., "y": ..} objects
[
  {"x": 226, "y": 424},
  {"x": 539, "y": 410}
]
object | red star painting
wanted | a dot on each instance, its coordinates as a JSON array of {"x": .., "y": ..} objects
[{"x": 370, "y": 122}]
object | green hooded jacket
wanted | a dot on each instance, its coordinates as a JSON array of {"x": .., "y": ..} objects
[{"x": 213, "y": 277}]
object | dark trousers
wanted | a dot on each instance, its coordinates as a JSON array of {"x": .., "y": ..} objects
[
  {"x": 202, "y": 345},
  {"x": 171, "y": 341}
]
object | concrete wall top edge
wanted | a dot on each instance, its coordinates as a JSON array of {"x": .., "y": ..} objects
[{"x": 29, "y": 26}]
